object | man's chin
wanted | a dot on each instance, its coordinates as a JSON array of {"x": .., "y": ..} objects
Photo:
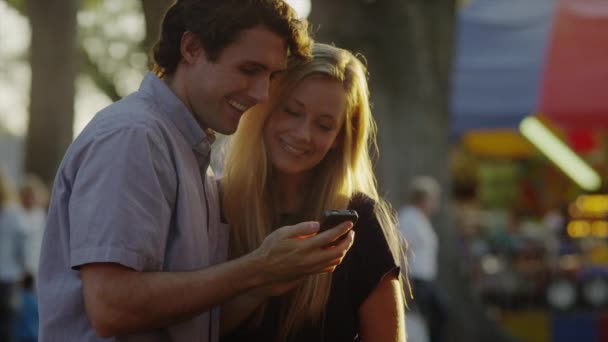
[{"x": 227, "y": 130}]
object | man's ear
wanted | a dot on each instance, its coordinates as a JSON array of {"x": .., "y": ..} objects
[{"x": 190, "y": 47}]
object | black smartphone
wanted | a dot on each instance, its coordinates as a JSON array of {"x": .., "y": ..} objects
[{"x": 332, "y": 218}]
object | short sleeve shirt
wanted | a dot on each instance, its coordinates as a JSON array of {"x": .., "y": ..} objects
[{"x": 133, "y": 189}]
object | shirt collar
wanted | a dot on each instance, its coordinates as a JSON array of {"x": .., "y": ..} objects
[{"x": 172, "y": 107}]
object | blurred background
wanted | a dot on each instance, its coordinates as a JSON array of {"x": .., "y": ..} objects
[{"x": 503, "y": 102}]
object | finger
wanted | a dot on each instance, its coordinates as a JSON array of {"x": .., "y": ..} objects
[
  {"x": 326, "y": 237},
  {"x": 329, "y": 266},
  {"x": 330, "y": 269},
  {"x": 299, "y": 230},
  {"x": 346, "y": 243},
  {"x": 321, "y": 257}
]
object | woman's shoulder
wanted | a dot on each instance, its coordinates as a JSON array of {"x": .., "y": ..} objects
[
  {"x": 361, "y": 199},
  {"x": 363, "y": 204}
]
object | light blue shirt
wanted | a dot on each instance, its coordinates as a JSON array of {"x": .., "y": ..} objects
[
  {"x": 12, "y": 244},
  {"x": 130, "y": 191}
]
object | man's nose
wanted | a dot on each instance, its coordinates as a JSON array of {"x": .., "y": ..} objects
[{"x": 260, "y": 89}]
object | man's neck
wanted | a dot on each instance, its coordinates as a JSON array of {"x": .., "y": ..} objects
[{"x": 174, "y": 84}]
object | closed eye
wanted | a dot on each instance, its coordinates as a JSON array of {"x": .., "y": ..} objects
[
  {"x": 327, "y": 124},
  {"x": 326, "y": 128},
  {"x": 292, "y": 113},
  {"x": 250, "y": 71}
]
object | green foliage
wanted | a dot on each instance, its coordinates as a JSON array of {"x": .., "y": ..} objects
[
  {"x": 90, "y": 4},
  {"x": 111, "y": 33},
  {"x": 110, "y": 39},
  {"x": 19, "y": 5},
  {"x": 4, "y": 130}
]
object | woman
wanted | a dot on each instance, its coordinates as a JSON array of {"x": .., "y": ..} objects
[{"x": 303, "y": 152}]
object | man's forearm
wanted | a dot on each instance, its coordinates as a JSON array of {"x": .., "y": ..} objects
[
  {"x": 121, "y": 301},
  {"x": 236, "y": 310}
]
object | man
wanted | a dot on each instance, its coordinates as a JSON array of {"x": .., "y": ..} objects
[
  {"x": 134, "y": 248},
  {"x": 422, "y": 248}
]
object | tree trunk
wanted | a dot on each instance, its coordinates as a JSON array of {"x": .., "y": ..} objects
[
  {"x": 408, "y": 46},
  {"x": 53, "y": 61},
  {"x": 154, "y": 11}
]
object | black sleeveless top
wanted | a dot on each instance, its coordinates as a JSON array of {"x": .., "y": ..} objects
[{"x": 368, "y": 260}]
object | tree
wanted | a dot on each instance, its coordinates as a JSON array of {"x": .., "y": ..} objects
[
  {"x": 408, "y": 46},
  {"x": 56, "y": 55},
  {"x": 105, "y": 78},
  {"x": 153, "y": 13},
  {"x": 54, "y": 64}
]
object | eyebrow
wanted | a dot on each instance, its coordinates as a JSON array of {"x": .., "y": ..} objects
[
  {"x": 301, "y": 105},
  {"x": 264, "y": 67},
  {"x": 255, "y": 64}
]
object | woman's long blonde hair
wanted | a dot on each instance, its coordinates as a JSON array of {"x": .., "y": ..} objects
[{"x": 250, "y": 195}]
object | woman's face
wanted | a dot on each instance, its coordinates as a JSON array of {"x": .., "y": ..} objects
[{"x": 300, "y": 132}]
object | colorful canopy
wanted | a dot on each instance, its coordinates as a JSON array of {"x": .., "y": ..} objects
[
  {"x": 574, "y": 92},
  {"x": 519, "y": 57}
]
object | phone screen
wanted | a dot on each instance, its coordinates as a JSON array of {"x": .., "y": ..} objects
[{"x": 332, "y": 218}]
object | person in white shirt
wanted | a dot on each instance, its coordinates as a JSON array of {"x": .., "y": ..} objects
[
  {"x": 34, "y": 199},
  {"x": 422, "y": 248}
]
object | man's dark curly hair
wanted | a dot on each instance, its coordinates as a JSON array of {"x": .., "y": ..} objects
[{"x": 218, "y": 23}]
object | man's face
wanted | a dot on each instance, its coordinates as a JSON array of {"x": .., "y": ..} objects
[
  {"x": 431, "y": 204},
  {"x": 219, "y": 92}
]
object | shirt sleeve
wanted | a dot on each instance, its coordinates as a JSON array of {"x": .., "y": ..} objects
[
  {"x": 373, "y": 258},
  {"x": 121, "y": 200}
]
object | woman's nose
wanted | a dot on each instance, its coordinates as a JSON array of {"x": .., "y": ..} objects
[{"x": 303, "y": 132}]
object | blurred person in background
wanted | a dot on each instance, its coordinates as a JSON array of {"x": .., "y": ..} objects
[
  {"x": 305, "y": 151},
  {"x": 134, "y": 248},
  {"x": 465, "y": 213},
  {"x": 422, "y": 250},
  {"x": 555, "y": 224},
  {"x": 27, "y": 324},
  {"x": 34, "y": 200},
  {"x": 12, "y": 259}
]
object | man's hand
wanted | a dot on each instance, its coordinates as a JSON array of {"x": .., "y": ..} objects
[
  {"x": 292, "y": 252},
  {"x": 286, "y": 258}
]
